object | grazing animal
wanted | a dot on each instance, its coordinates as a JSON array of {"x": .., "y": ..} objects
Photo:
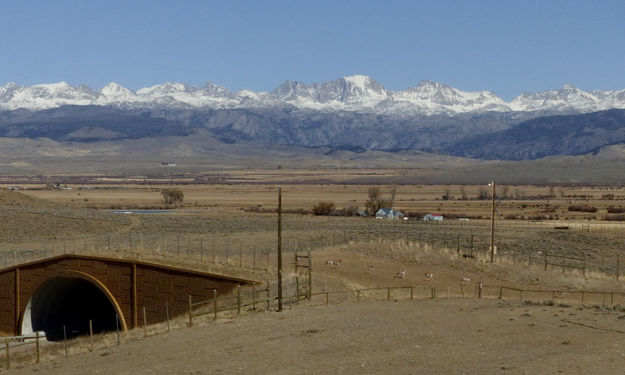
[
  {"x": 465, "y": 279},
  {"x": 333, "y": 262},
  {"x": 429, "y": 276},
  {"x": 558, "y": 294},
  {"x": 370, "y": 268},
  {"x": 400, "y": 274}
]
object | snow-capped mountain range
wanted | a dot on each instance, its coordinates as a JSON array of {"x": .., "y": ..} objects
[{"x": 353, "y": 93}]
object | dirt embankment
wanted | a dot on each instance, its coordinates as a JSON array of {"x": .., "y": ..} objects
[{"x": 426, "y": 337}]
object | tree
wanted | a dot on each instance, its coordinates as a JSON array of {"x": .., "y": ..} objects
[
  {"x": 484, "y": 194},
  {"x": 172, "y": 196},
  {"x": 350, "y": 210},
  {"x": 376, "y": 201},
  {"x": 463, "y": 193},
  {"x": 505, "y": 191},
  {"x": 323, "y": 208}
]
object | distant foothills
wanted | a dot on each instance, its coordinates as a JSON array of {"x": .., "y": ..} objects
[{"x": 352, "y": 113}]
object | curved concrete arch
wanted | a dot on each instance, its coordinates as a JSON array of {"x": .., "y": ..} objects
[{"x": 68, "y": 275}]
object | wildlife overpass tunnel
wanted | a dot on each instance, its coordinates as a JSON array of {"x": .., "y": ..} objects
[{"x": 70, "y": 290}]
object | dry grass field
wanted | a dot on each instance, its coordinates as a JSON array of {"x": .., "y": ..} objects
[
  {"x": 484, "y": 336},
  {"x": 530, "y": 202},
  {"x": 237, "y": 217},
  {"x": 231, "y": 229}
]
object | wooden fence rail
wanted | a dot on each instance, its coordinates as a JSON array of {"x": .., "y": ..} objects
[{"x": 14, "y": 342}]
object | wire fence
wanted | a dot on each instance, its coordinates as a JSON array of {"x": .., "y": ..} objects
[
  {"x": 24, "y": 350},
  {"x": 516, "y": 243}
]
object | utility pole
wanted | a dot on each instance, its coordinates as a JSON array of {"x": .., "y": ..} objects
[
  {"x": 279, "y": 248},
  {"x": 492, "y": 227}
]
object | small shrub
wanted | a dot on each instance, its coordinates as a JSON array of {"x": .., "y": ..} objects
[
  {"x": 616, "y": 210},
  {"x": 617, "y": 217},
  {"x": 323, "y": 208},
  {"x": 582, "y": 208},
  {"x": 350, "y": 210},
  {"x": 172, "y": 196}
]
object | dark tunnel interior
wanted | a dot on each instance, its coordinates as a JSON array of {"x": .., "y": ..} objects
[{"x": 70, "y": 302}]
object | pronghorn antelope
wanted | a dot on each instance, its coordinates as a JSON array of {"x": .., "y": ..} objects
[
  {"x": 557, "y": 294},
  {"x": 465, "y": 280},
  {"x": 400, "y": 274},
  {"x": 429, "y": 276},
  {"x": 370, "y": 268},
  {"x": 333, "y": 262}
]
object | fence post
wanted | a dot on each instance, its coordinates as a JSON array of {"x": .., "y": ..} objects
[
  {"x": 309, "y": 275},
  {"x": 388, "y": 293},
  {"x": 500, "y": 292},
  {"x": 253, "y": 297},
  {"x": 545, "y": 260},
  {"x": 297, "y": 289},
  {"x": 8, "y": 353},
  {"x": 189, "y": 306},
  {"x": 167, "y": 314},
  {"x": 37, "y": 345},
  {"x": 214, "y": 250},
  {"x": 91, "y": 333},
  {"x": 254, "y": 259},
  {"x": 268, "y": 295},
  {"x": 295, "y": 263},
  {"x": 584, "y": 265},
  {"x": 238, "y": 299},
  {"x": 117, "y": 328},
  {"x": 521, "y": 294},
  {"x": 327, "y": 297},
  {"x": 201, "y": 249},
  {"x": 358, "y": 295},
  {"x": 65, "y": 339},
  {"x": 145, "y": 323},
  {"x": 618, "y": 266},
  {"x": 433, "y": 289},
  {"x": 479, "y": 290},
  {"x": 214, "y": 304},
  {"x": 411, "y": 293}
]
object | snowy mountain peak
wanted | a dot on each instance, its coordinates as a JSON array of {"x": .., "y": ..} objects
[
  {"x": 361, "y": 81},
  {"x": 7, "y": 91},
  {"x": 166, "y": 88},
  {"x": 215, "y": 90},
  {"x": 115, "y": 89},
  {"x": 350, "y": 93}
]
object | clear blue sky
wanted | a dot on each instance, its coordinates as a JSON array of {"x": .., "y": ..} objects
[{"x": 504, "y": 46}]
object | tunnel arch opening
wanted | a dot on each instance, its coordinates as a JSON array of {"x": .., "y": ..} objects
[{"x": 63, "y": 306}]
